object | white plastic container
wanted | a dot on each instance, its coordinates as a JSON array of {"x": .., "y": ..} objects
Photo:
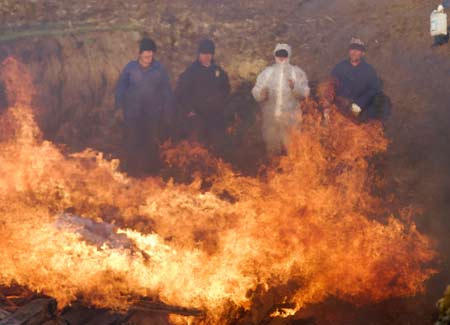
[{"x": 438, "y": 22}]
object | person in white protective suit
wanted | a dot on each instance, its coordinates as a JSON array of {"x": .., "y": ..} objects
[{"x": 279, "y": 89}]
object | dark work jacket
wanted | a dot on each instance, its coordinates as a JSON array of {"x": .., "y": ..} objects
[
  {"x": 360, "y": 84},
  {"x": 203, "y": 90},
  {"x": 143, "y": 92}
]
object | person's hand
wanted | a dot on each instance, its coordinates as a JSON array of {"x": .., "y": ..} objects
[
  {"x": 192, "y": 114},
  {"x": 356, "y": 110},
  {"x": 291, "y": 84},
  {"x": 265, "y": 94}
]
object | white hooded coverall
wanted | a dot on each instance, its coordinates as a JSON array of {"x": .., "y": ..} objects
[{"x": 281, "y": 105}]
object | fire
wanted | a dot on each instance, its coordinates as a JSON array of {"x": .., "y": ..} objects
[{"x": 301, "y": 233}]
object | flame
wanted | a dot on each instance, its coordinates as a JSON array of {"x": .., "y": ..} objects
[{"x": 303, "y": 232}]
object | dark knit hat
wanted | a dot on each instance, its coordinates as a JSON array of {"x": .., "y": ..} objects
[
  {"x": 147, "y": 44},
  {"x": 206, "y": 46},
  {"x": 357, "y": 44}
]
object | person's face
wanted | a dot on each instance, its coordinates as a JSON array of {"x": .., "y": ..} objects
[
  {"x": 205, "y": 59},
  {"x": 145, "y": 58},
  {"x": 355, "y": 55},
  {"x": 279, "y": 59}
]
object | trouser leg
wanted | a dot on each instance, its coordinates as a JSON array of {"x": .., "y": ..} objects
[
  {"x": 276, "y": 132},
  {"x": 272, "y": 137},
  {"x": 215, "y": 130},
  {"x": 134, "y": 143},
  {"x": 152, "y": 162},
  {"x": 288, "y": 121}
]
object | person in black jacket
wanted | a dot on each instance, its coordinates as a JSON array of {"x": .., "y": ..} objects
[
  {"x": 201, "y": 94},
  {"x": 357, "y": 82}
]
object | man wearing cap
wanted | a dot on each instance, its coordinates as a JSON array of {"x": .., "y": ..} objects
[
  {"x": 144, "y": 93},
  {"x": 279, "y": 89},
  {"x": 201, "y": 94},
  {"x": 357, "y": 82}
]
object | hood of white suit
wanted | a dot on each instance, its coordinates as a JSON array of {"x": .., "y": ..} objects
[{"x": 283, "y": 46}]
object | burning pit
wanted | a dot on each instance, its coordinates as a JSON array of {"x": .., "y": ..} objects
[{"x": 76, "y": 229}]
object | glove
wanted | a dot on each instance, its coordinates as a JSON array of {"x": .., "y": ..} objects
[
  {"x": 356, "y": 110},
  {"x": 291, "y": 84}
]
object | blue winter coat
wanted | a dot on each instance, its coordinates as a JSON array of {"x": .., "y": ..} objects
[
  {"x": 143, "y": 92},
  {"x": 360, "y": 84}
]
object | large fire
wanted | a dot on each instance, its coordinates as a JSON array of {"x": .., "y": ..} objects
[{"x": 308, "y": 229}]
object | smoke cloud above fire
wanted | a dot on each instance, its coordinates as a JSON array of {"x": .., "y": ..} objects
[{"x": 310, "y": 228}]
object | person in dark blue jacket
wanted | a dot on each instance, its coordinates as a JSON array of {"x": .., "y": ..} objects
[
  {"x": 357, "y": 82},
  {"x": 201, "y": 94},
  {"x": 144, "y": 93}
]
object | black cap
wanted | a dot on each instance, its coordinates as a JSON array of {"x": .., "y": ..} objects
[
  {"x": 147, "y": 44},
  {"x": 206, "y": 46}
]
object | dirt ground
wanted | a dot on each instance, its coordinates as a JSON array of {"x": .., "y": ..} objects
[{"x": 76, "y": 51}]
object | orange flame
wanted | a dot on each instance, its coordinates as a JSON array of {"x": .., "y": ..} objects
[{"x": 303, "y": 229}]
